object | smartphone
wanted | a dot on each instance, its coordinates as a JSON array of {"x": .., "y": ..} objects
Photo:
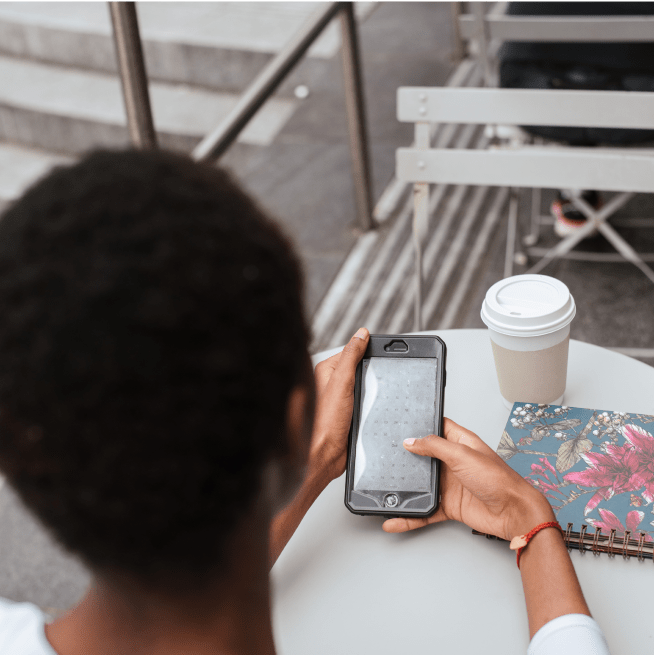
[{"x": 398, "y": 393}]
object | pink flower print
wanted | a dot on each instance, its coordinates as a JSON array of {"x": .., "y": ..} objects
[
  {"x": 538, "y": 470},
  {"x": 540, "y": 479},
  {"x": 643, "y": 444},
  {"x": 610, "y": 522},
  {"x": 613, "y": 472},
  {"x": 545, "y": 462},
  {"x": 548, "y": 487},
  {"x": 548, "y": 490}
]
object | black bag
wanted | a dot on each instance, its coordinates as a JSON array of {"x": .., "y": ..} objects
[{"x": 598, "y": 66}]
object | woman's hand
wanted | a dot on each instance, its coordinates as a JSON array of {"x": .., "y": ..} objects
[
  {"x": 334, "y": 404},
  {"x": 328, "y": 450},
  {"x": 477, "y": 487}
]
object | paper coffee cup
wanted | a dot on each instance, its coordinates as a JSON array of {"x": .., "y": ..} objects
[{"x": 528, "y": 319}]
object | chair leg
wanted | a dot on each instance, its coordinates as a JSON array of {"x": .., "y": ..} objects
[
  {"x": 617, "y": 202},
  {"x": 417, "y": 317},
  {"x": 625, "y": 249},
  {"x": 563, "y": 247},
  {"x": 479, "y": 12},
  {"x": 420, "y": 217},
  {"x": 511, "y": 233},
  {"x": 599, "y": 220},
  {"x": 534, "y": 233},
  {"x": 596, "y": 219}
]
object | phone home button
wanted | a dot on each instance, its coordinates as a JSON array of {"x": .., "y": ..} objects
[{"x": 391, "y": 500}]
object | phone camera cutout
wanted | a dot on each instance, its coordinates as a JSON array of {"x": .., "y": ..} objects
[
  {"x": 396, "y": 346},
  {"x": 391, "y": 500}
]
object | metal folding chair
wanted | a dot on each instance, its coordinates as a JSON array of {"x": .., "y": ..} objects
[
  {"x": 626, "y": 170},
  {"x": 486, "y": 31}
]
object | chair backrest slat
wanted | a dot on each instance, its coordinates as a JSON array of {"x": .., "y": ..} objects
[
  {"x": 561, "y": 28},
  {"x": 555, "y": 168},
  {"x": 619, "y": 109}
]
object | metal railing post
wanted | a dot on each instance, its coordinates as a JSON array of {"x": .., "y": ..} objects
[
  {"x": 356, "y": 115},
  {"x": 483, "y": 42},
  {"x": 458, "y": 49},
  {"x": 133, "y": 77}
]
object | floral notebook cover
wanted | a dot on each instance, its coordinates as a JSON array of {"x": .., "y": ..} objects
[{"x": 595, "y": 467}]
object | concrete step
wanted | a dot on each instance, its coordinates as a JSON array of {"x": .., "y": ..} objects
[
  {"x": 19, "y": 168},
  {"x": 70, "y": 111},
  {"x": 216, "y": 44}
]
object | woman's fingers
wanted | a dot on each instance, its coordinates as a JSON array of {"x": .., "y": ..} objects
[
  {"x": 469, "y": 464},
  {"x": 483, "y": 476},
  {"x": 454, "y": 432},
  {"x": 404, "y": 524},
  {"x": 452, "y": 453}
]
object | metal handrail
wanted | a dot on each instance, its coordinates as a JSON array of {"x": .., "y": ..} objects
[
  {"x": 131, "y": 66},
  {"x": 214, "y": 145},
  {"x": 356, "y": 115},
  {"x": 264, "y": 85}
]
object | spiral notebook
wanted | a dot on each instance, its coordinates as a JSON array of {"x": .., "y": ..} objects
[{"x": 596, "y": 468}]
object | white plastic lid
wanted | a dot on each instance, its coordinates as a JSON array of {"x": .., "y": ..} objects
[{"x": 528, "y": 306}]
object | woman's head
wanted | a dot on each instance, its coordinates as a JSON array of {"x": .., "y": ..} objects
[{"x": 151, "y": 333}]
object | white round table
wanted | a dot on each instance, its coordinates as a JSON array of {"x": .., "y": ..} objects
[{"x": 343, "y": 586}]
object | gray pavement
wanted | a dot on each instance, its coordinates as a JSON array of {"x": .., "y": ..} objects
[
  {"x": 300, "y": 172},
  {"x": 304, "y": 177},
  {"x": 19, "y": 166},
  {"x": 32, "y": 567},
  {"x": 82, "y": 95},
  {"x": 615, "y": 301}
]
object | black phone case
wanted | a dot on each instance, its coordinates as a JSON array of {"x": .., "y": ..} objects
[{"x": 375, "y": 504}]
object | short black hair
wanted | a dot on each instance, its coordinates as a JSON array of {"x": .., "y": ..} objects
[{"x": 151, "y": 331}]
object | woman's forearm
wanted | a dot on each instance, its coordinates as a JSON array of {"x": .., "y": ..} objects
[
  {"x": 288, "y": 519},
  {"x": 549, "y": 580}
]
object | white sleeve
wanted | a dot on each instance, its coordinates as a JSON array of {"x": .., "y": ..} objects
[{"x": 571, "y": 634}]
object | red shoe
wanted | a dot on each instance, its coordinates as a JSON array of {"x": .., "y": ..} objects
[{"x": 568, "y": 219}]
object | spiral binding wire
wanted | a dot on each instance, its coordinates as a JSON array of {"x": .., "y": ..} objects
[
  {"x": 595, "y": 550},
  {"x": 582, "y": 534},
  {"x": 612, "y": 545},
  {"x": 641, "y": 543},
  {"x": 598, "y": 543},
  {"x": 611, "y": 552}
]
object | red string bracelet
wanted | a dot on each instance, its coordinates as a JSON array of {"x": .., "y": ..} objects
[{"x": 520, "y": 543}]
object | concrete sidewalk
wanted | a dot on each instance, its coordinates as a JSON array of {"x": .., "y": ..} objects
[
  {"x": 301, "y": 174},
  {"x": 304, "y": 177}
]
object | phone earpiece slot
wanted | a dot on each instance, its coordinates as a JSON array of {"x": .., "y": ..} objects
[{"x": 396, "y": 346}]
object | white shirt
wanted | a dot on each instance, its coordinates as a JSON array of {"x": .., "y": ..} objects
[
  {"x": 22, "y": 633},
  {"x": 22, "y": 630},
  {"x": 570, "y": 634}
]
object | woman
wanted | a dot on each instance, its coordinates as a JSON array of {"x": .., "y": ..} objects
[{"x": 158, "y": 411}]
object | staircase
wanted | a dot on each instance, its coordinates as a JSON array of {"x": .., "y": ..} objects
[{"x": 60, "y": 95}]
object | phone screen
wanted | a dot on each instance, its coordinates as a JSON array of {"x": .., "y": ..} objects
[{"x": 398, "y": 398}]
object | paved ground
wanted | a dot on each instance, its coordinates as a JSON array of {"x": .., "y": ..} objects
[
  {"x": 615, "y": 301},
  {"x": 464, "y": 256},
  {"x": 303, "y": 176}
]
